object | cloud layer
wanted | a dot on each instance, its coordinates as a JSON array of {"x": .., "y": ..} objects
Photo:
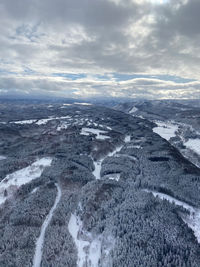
[{"x": 80, "y": 48}]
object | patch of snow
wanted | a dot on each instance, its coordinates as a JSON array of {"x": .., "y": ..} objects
[
  {"x": 126, "y": 156},
  {"x": 165, "y": 130},
  {"x": 109, "y": 128},
  {"x": 97, "y": 164},
  {"x": 16, "y": 179},
  {"x": 99, "y": 133},
  {"x": 34, "y": 190},
  {"x": 113, "y": 176},
  {"x": 193, "y": 144},
  {"x": 127, "y": 139},
  {"x": 133, "y": 110},
  {"x": 97, "y": 169},
  {"x": 24, "y": 122},
  {"x": 44, "y": 121},
  {"x": 39, "y": 244},
  {"x": 83, "y": 104},
  {"x": 115, "y": 151},
  {"x": 89, "y": 251},
  {"x": 2, "y": 157},
  {"x": 63, "y": 126}
]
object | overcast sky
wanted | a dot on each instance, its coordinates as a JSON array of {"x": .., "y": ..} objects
[{"x": 90, "y": 48}]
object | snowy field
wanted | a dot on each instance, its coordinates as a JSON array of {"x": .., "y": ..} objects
[
  {"x": 100, "y": 134},
  {"x": 193, "y": 144},
  {"x": 133, "y": 110},
  {"x": 14, "y": 180},
  {"x": 92, "y": 250},
  {"x": 165, "y": 130}
]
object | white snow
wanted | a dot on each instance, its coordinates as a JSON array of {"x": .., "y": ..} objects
[
  {"x": 44, "y": 121},
  {"x": 63, "y": 126},
  {"x": 67, "y": 104},
  {"x": 83, "y": 104},
  {"x": 41, "y": 121},
  {"x": 100, "y": 133},
  {"x": 193, "y": 144},
  {"x": 97, "y": 168},
  {"x": 133, "y": 110},
  {"x": 193, "y": 221},
  {"x": 2, "y": 157},
  {"x": 127, "y": 139},
  {"x": 89, "y": 250},
  {"x": 113, "y": 176},
  {"x": 14, "y": 180},
  {"x": 165, "y": 129},
  {"x": 97, "y": 164},
  {"x": 39, "y": 244},
  {"x": 24, "y": 122},
  {"x": 34, "y": 190}
]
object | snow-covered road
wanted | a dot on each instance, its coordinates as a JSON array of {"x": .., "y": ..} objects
[
  {"x": 39, "y": 244},
  {"x": 193, "y": 221}
]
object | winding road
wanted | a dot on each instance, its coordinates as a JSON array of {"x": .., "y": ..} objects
[{"x": 39, "y": 244}]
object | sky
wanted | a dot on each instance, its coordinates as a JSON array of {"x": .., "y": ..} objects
[{"x": 100, "y": 48}]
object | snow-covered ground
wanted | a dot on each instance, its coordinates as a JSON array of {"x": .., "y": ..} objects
[
  {"x": 133, "y": 110},
  {"x": 39, "y": 244},
  {"x": 97, "y": 164},
  {"x": 127, "y": 139},
  {"x": 2, "y": 157},
  {"x": 25, "y": 122},
  {"x": 100, "y": 134},
  {"x": 83, "y": 104},
  {"x": 90, "y": 249},
  {"x": 41, "y": 121},
  {"x": 193, "y": 144},
  {"x": 14, "y": 180},
  {"x": 44, "y": 121},
  {"x": 193, "y": 221},
  {"x": 165, "y": 129}
]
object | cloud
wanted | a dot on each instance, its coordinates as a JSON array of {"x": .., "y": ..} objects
[{"x": 97, "y": 39}]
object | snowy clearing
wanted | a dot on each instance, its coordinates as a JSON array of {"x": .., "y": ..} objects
[
  {"x": 127, "y": 139},
  {"x": 133, "y": 110},
  {"x": 100, "y": 133},
  {"x": 193, "y": 144},
  {"x": 97, "y": 164},
  {"x": 24, "y": 122},
  {"x": 44, "y": 121},
  {"x": 83, "y": 104},
  {"x": 165, "y": 130},
  {"x": 193, "y": 221},
  {"x": 89, "y": 251},
  {"x": 14, "y": 180},
  {"x": 39, "y": 244}
]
